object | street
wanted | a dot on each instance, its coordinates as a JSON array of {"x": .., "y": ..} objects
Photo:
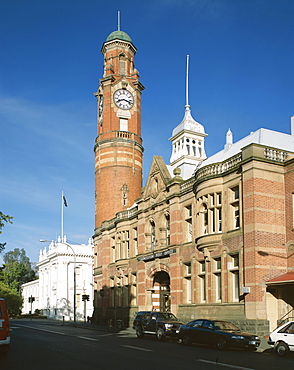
[{"x": 47, "y": 345}]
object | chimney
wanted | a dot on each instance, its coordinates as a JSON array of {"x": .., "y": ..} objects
[{"x": 292, "y": 125}]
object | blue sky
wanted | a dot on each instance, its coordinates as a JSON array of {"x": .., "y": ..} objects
[{"x": 241, "y": 77}]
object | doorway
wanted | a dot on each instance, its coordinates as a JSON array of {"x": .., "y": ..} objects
[{"x": 161, "y": 292}]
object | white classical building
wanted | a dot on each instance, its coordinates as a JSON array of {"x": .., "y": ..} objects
[{"x": 53, "y": 292}]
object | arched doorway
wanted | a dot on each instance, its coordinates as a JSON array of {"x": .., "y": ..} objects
[{"x": 161, "y": 292}]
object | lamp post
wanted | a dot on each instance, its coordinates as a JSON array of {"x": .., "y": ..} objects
[{"x": 75, "y": 288}]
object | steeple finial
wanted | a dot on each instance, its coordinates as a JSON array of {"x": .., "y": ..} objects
[
  {"x": 187, "y": 106},
  {"x": 118, "y": 20}
]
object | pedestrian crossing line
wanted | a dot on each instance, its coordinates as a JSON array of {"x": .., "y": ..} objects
[
  {"x": 88, "y": 338},
  {"x": 139, "y": 348},
  {"x": 225, "y": 365}
]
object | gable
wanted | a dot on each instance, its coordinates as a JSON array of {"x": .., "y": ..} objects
[{"x": 157, "y": 179}]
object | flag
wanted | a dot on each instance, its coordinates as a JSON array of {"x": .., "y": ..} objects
[{"x": 64, "y": 201}]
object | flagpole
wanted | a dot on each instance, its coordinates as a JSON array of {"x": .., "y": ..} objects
[{"x": 62, "y": 216}]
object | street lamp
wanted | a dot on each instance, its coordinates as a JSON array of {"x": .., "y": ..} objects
[{"x": 75, "y": 288}]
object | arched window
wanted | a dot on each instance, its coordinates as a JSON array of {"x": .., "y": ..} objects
[
  {"x": 124, "y": 193},
  {"x": 122, "y": 64},
  {"x": 167, "y": 229},
  {"x": 153, "y": 240},
  {"x": 204, "y": 212}
]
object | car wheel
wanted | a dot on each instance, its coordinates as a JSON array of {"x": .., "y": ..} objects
[
  {"x": 160, "y": 334},
  {"x": 186, "y": 340},
  {"x": 221, "y": 343},
  {"x": 282, "y": 349},
  {"x": 139, "y": 332}
]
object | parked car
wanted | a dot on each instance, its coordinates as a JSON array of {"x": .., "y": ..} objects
[
  {"x": 4, "y": 328},
  {"x": 282, "y": 338},
  {"x": 221, "y": 334},
  {"x": 161, "y": 324}
]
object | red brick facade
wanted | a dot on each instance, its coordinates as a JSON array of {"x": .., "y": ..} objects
[{"x": 204, "y": 247}]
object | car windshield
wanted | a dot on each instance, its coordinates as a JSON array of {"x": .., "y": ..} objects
[
  {"x": 225, "y": 325},
  {"x": 167, "y": 316}
]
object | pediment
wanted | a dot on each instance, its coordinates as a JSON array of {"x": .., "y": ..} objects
[{"x": 157, "y": 179}]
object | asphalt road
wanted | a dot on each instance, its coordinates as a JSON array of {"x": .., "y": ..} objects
[{"x": 44, "y": 345}]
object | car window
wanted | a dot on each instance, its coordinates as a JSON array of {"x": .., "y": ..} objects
[
  {"x": 225, "y": 325},
  {"x": 197, "y": 323},
  {"x": 291, "y": 329},
  {"x": 147, "y": 316},
  {"x": 208, "y": 324},
  {"x": 288, "y": 329},
  {"x": 167, "y": 316}
]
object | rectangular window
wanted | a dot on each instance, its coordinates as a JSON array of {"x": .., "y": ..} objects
[
  {"x": 188, "y": 221},
  {"x": 218, "y": 279},
  {"x": 134, "y": 289},
  {"x": 188, "y": 290},
  {"x": 135, "y": 241},
  {"x": 233, "y": 267},
  {"x": 235, "y": 207},
  {"x": 123, "y": 124},
  {"x": 236, "y": 286},
  {"x": 187, "y": 282},
  {"x": 123, "y": 245},
  {"x": 202, "y": 278},
  {"x": 112, "y": 253},
  {"x": 211, "y": 213}
]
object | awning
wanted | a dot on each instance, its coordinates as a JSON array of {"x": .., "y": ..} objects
[{"x": 287, "y": 278}]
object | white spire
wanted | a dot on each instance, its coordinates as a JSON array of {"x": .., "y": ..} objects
[
  {"x": 187, "y": 139},
  {"x": 187, "y": 82}
]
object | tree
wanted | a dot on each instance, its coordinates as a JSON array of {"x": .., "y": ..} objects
[
  {"x": 17, "y": 269},
  {"x": 12, "y": 298},
  {"x": 4, "y": 218}
]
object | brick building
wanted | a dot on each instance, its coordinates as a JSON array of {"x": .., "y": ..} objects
[{"x": 206, "y": 237}]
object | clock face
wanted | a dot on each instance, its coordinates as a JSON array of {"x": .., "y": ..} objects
[{"x": 123, "y": 99}]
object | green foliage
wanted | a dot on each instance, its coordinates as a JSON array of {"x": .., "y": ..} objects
[
  {"x": 4, "y": 218},
  {"x": 12, "y": 298},
  {"x": 17, "y": 269}
]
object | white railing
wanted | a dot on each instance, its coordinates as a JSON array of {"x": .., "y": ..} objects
[
  {"x": 275, "y": 155},
  {"x": 219, "y": 168}
]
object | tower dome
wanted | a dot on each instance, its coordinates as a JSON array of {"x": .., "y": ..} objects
[{"x": 120, "y": 35}]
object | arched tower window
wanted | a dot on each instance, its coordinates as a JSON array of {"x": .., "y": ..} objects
[
  {"x": 122, "y": 64},
  {"x": 124, "y": 191}
]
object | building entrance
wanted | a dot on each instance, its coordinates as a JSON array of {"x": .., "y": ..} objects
[{"x": 161, "y": 292}]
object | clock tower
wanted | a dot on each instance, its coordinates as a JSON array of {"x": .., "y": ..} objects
[{"x": 118, "y": 148}]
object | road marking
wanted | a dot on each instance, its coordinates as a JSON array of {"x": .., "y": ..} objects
[
  {"x": 225, "y": 365},
  {"x": 46, "y": 330},
  {"x": 139, "y": 348},
  {"x": 88, "y": 338}
]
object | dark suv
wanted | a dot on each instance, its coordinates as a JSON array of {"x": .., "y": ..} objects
[{"x": 162, "y": 324}]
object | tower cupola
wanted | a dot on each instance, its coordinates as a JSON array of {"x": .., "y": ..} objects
[{"x": 187, "y": 141}]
